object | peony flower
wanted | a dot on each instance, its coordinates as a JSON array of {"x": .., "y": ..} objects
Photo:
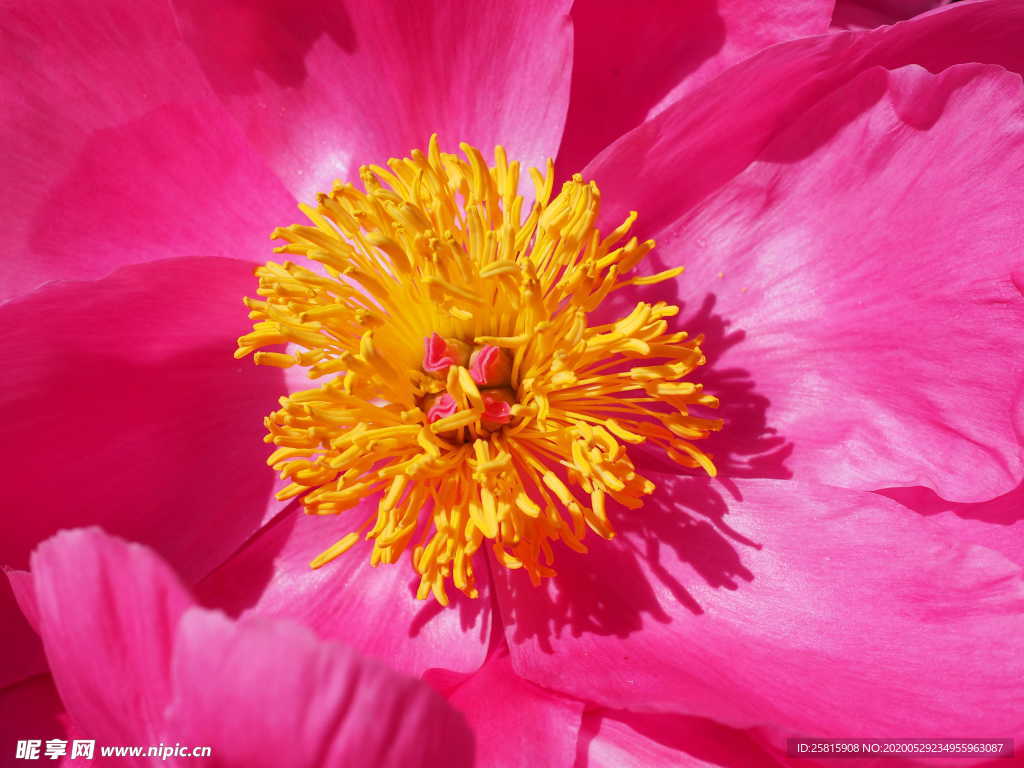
[
  {"x": 847, "y": 208},
  {"x": 136, "y": 662}
]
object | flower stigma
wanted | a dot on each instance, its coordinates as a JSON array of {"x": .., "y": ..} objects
[{"x": 463, "y": 399}]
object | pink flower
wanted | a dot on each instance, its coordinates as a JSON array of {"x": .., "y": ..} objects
[
  {"x": 848, "y": 211},
  {"x": 137, "y": 662}
]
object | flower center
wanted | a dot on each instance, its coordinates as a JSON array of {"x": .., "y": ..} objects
[
  {"x": 462, "y": 396},
  {"x": 487, "y": 392}
]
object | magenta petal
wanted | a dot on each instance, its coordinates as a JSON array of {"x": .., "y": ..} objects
[
  {"x": 115, "y": 149},
  {"x": 611, "y": 739},
  {"x": 818, "y": 610},
  {"x": 322, "y": 90},
  {"x": 617, "y": 82},
  {"x": 868, "y": 274},
  {"x": 107, "y": 614},
  {"x": 710, "y": 135},
  {"x": 270, "y": 694},
  {"x": 517, "y": 724},
  {"x": 373, "y": 610},
  {"x": 125, "y": 408}
]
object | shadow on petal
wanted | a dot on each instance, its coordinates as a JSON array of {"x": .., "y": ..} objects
[
  {"x": 614, "y": 88},
  {"x": 271, "y": 38},
  {"x": 620, "y": 584},
  {"x": 747, "y": 446},
  {"x": 1004, "y": 510},
  {"x": 471, "y": 610}
]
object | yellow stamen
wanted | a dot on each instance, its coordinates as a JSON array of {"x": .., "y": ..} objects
[{"x": 438, "y": 244}]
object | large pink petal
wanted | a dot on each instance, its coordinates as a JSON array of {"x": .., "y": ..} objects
[
  {"x": 374, "y": 610},
  {"x": 517, "y": 724},
  {"x": 630, "y": 63},
  {"x": 271, "y": 694},
  {"x": 123, "y": 407},
  {"x": 115, "y": 149},
  {"x": 107, "y": 614},
  {"x": 674, "y": 160},
  {"x": 818, "y": 610},
  {"x": 322, "y": 90},
  {"x": 869, "y": 272},
  {"x": 622, "y": 739}
]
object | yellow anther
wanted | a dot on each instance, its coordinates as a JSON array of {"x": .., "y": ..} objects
[{"x": 438, "y": 243}]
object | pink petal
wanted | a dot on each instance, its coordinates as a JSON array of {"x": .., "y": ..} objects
[
  {"x": 23, "y": 653},
  {"x": 517, "y": 724},
  {"x": 997, "y": 524},
  {"x": 116, "y": 150},
  {"x": 613, "y": 739},
  {"x": 270, "y": 694},
  {"x": 630, "y": 64},
  {"x": 323, "y": 90},
  {"x": 373, "y": 610},
  {"x": 867, "y": 274},
  {"x": 709, "y": 136},
  {"x": 107, "y": 614},
  {"x": 818, "y": 610},
  {"x": 124, "y": 407}
]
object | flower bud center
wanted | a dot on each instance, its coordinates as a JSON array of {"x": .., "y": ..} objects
[{"x": 483, "y": 400}]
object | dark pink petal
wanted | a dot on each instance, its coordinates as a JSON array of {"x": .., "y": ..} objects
[
  {"x": 373, "y": 610},
  {"x": 611, "y": 739},
  {"x": 674, "y": 160},
  {"x": 32, "y": 710},
  {"x": 322, "y": 90},
  {"x": 23, "y": 653},
  {"x": 867, "y": 272},
  {"x": 818, "y": 610},
  {"x": 517, "y": 724},
  {"x": 123, "y": 407},
  {"x": 115, "y": 149},
  {"x": 630, "y": 63},
  {"x": 107, "y": 614},
  {"x": 270, "y": 694}
]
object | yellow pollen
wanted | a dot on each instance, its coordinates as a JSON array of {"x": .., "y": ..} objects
[{"x": 529, "y": 451}]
